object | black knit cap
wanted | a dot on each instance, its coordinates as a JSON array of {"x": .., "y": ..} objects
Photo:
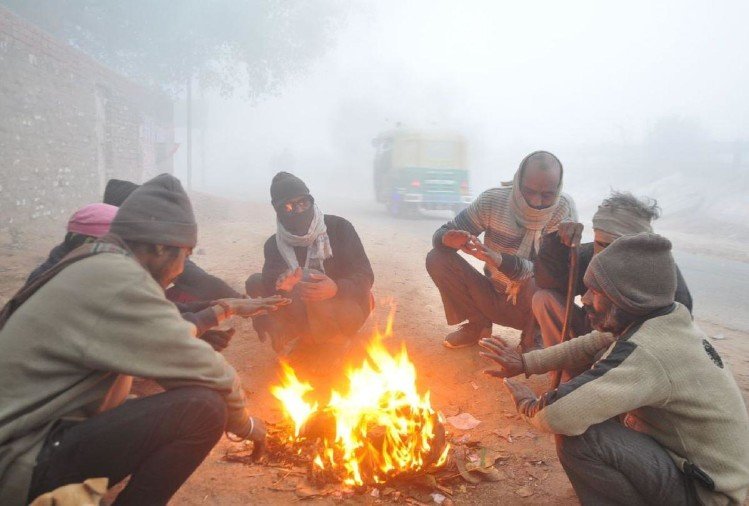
[
  {"x": 286, "y": 186},
  {"x": 159, "y": 212},
  {"x": 117, "y": 190}
]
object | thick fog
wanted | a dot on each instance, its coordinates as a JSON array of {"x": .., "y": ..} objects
[{"x": 643, "y": 96}]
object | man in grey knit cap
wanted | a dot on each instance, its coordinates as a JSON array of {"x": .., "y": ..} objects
[
  {"x": 659, "y": 418},
  {"x": 72, "y": 342}
]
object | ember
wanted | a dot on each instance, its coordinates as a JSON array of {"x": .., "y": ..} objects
[{"x": 378, "y": 429}]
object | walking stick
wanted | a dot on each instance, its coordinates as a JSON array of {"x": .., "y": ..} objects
[{"x": 571, "y": 285}]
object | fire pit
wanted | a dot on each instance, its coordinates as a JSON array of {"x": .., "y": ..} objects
[{"x": 378, "y": 429}]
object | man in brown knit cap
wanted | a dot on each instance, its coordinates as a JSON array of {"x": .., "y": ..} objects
[{"x": 659, "y": 418}]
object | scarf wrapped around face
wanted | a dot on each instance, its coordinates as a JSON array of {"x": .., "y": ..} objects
[
  {"x": 316, "y": 241},
  {"x": 531, "y": 220}
]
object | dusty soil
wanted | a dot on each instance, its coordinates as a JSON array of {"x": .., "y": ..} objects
[{"x": 232, "y": 235}]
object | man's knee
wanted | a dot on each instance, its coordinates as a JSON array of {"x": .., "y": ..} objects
[
  {"x": 208, "y": 404},
  {"x": 254, "y": 285},
  {"x": 544, "y": 302},
  {"x": 438, "y": 260}
]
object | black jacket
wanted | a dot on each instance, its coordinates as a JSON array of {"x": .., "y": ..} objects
[
  {"x": 349, "y": 266},
  {"x": 550, "y": 269}
]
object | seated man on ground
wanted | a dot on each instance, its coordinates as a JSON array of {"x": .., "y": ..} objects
[
  {"x": 319, "y": 262},
  {"x": 93, "y": 221},
  {"x": 72, "y": 342},
  {"x": 619, "y": 215},
  {"x": 659, "y": 419},
  {"x": 194, "y": 284},
  {"x": 513, "y": 220}
]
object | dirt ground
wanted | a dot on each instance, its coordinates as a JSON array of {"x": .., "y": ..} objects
[{"x": 231, "y": 239}]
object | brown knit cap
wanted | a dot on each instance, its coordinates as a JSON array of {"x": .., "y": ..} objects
[
  {"x": 159, "y": 212},
  {"x": 636, "y": 272}
]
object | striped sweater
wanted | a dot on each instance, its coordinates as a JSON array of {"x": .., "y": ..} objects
[
  {"x": 666, "y": 380},
  {"x": 492, "y": 215}
]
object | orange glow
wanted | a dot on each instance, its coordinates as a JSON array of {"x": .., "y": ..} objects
[{"x": 383, "y": 426}]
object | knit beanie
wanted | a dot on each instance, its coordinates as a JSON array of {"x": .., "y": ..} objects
[
  {"x": 159, "y": 212},
  {"x": 637, "y": 272},
  {"x": 611, "y": 222},
  {"x": 117, "y": 191},
  {"x": 92, "y": 220},
  {"x": 286, "y": 186}
]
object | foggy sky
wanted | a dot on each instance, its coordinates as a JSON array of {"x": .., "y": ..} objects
[{"x": 512, "y": 76}]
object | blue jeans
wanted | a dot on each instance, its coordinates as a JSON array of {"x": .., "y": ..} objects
[{"x": 158, "y": 441}]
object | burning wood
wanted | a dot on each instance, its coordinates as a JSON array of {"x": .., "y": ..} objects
[{"x": 379, "y": 429}]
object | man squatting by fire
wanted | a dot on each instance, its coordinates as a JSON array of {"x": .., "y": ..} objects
[
  {"x": 319, "y": 262},
  {"x": 659, "y": 418},
  {"x": 75, "y": 337},
  {"x": 618, "y": 215},
  {"x": 513, "y": 219}
]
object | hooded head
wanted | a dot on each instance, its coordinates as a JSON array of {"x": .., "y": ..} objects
[
  {"x": 92, "y": 220},
  {"x": 117, "y": 190},
  {"x": 635, "y": 274},
  {"x": 622, "y": 214},
  {"x": 158, "y": 223},
  {"x": 293, "y": 203}
]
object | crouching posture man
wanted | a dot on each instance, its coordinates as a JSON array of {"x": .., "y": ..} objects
[
  {"x": 618, "y": 215},
  {"x": 659, "y": 418},
  {"x": 73, "y": 339},
  {"x": 513, "y": 220},
  {"x": 319, "y": 262}
]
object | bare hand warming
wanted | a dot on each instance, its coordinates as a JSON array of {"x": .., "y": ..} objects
[
  {"x": 320, "y": 287},
  {"x": 510, "y": 361},
  {"x": 455, "y": 239},
  {"x": 289, "y": 279}
]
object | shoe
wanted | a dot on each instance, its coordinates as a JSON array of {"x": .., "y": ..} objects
[{"x": 467, "y": 335}]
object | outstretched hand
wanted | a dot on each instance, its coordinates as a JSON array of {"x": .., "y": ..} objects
[
  {"x": 289, "y": 279},
  {"x": 509, "y": 360},
  {"x": 520, "y": 392},
  {"x": 248, "y": 307}
]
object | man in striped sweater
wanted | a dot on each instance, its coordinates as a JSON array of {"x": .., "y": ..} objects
[
  {"x": 659, "y": 418},
  {"x": 513, "y": 219}
]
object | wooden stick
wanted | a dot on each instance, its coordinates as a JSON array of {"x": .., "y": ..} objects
[{"x": 571, "y": 285}]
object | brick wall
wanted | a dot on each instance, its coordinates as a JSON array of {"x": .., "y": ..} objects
[{"x": 67, "y": 124}]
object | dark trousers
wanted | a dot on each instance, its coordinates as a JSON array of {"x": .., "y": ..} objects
[
  {"x": 158, "y": 441},
  {"x": 469, "y": 295},
  {"x": 312, "y": 321},
  {"x": 610, "y": 464}
]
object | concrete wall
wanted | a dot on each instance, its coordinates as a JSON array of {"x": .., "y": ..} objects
[{"x": 68, "y": 124}]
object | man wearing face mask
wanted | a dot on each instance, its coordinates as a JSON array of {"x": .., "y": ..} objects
[
  {"x": 513, "y": 219},
  {"x": 75, "y": 337},
  {"x": 659, "y": 419},
  {"x": 319, "y": 262}
]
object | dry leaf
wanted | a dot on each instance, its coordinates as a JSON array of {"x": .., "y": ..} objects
[
  {"x": 463, "y": 421},
  {"x": 524, "y": 491}
]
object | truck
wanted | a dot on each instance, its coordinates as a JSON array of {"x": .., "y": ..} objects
[{"x": 420, "y": 170}]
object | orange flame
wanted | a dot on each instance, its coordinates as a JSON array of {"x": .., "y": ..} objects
[{"x": 383, "y": 426}]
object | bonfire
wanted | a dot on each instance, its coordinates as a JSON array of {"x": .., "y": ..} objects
[{"x": 378, "y": 428}]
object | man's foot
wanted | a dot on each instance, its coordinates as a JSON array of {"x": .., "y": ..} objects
[{"x": 467, "y": 335}]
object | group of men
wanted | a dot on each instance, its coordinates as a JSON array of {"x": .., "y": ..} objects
[{"x": 648, "y": 411}]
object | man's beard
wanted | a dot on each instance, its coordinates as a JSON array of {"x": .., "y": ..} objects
[{"x": 613, "y": 320}]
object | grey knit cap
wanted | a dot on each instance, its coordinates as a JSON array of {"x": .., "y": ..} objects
[
  {"x": 636, "y": 272},
  {"x": 158, "y": 212},
  {"x": 286, "y": 186}
]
